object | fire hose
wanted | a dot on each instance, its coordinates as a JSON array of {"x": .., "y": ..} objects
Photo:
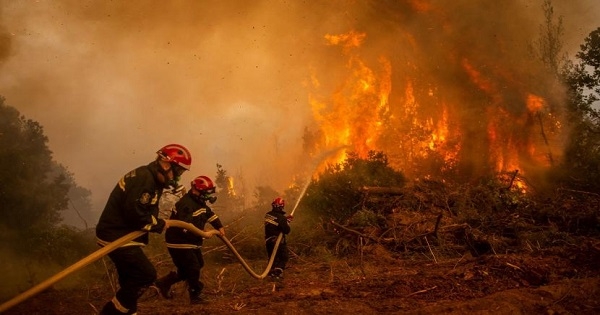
[
  {"x": 275, "y": 248},
  {"x": 243, "y": 262}
]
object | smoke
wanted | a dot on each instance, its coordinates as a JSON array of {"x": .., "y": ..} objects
[{"x": 113, "y": 81}]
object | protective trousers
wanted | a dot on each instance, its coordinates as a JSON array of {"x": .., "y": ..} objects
[
  {"x": 281, "y": 257},
  {"x": 188, "y": 263},
  {"x": 136, "y": 273}
]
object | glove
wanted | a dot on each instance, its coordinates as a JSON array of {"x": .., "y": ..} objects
[
  {"x": 178, "y": 191},
  {"x": 289, "y": 218}
]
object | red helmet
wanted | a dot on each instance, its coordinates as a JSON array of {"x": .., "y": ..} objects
[
  {"x": 278, "y": 203},
  {"x": 204, "y": 184},
  {"x": 176, "y": 153}
]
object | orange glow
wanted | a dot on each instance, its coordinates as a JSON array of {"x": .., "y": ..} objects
[
  {"x": 230, "y": 186},
  {"x": 534, "y": 103},
  {"x": 440, "y": 132},
  {"x": 481, "y": 81},
  {"x": 421, "y": 5},
  {"x": 425, "y": 129},
  {"x": 351, "y": 116},
  {"x": 348, "y": 41}
]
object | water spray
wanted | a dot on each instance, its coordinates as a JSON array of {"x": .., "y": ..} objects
[{"x": 315, "y": 164}]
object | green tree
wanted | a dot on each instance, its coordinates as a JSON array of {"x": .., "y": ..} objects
[
  {"x": 337, "y": 193},
  {"x": 581, "y": 166},
  {"x": 34, "y": 189}
]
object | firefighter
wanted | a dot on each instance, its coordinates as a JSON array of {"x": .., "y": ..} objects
[
  {"x": 277, "y": 222},
  {"x": 184, "y": 247},
  {"x": 133, "y": 206}
]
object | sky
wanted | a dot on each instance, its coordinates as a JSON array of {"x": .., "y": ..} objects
[{"x": 111, "y": 82}]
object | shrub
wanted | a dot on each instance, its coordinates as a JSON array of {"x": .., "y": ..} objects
[{"x": 337, "y": 194}]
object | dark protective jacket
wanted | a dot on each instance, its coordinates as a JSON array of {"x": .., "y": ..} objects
[
  {"x": 132, "y": 206},
  {"x": 275, "y": 223},
  {"x": 196, "y": 212}
]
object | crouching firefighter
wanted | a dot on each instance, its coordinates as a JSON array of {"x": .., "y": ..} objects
[
  {"x": 185, "y": 247},
  {"x": 133, "y": 206}
]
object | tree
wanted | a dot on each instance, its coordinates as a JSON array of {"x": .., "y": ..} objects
[
  {"x": 34, "y": 189},
  {"x": 79, "y": 212},
  {"x": 583, "y": 79},
  {"x": 226, "y": 193},
  {"x": 549, "y": 46},
  {"x": 581, "y": 167}
]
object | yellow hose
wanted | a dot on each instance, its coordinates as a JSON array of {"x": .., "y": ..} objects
[
  {"x": 243, "y": 262},
  {"x": 225, "y": 240}
]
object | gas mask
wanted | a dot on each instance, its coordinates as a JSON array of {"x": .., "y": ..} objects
[
  {"x": 205, "y": 197},
  {"x": 210, "y": 198},
  {"x": 177, "y": 172}
]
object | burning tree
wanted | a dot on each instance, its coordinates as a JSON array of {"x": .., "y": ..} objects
[
  {"x": 439, "y": 109},
  {"x": 474, "y": 127}
]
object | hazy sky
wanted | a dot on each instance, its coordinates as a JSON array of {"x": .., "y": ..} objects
[{"x": 113, "y": 81}]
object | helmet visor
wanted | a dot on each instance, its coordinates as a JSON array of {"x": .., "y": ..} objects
[{"x": 177, "y": 170}]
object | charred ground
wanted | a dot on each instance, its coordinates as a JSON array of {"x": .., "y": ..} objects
[{"x": 414, "y": 255}]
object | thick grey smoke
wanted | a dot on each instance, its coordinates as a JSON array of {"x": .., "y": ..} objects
[{"x": 113, "y": 81}]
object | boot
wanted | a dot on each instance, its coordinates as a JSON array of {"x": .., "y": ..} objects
[
  {"x": 195, "y": 297},
  {"x": 276, "y": 274},
  {"x": 110, "y": 309},
  {"x": 164, "y": 284}
]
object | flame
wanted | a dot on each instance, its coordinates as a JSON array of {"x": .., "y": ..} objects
[
  {"x": 348, "y": 41},
  {"x": 352, "y": 115},
  {"x": 440, "y": 132},
  {"x": 534, "y": 103},
  {"x": 230, "y": 187},
  {"x": 426, "y": 129}
]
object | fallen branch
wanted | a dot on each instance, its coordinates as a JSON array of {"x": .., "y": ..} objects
[
  {"x": 512, "y": 180},
  {"x": 354, "y": 231},
  {"x": 452, "y": 227},
  {"x": 431, "y": 251},
  {"x": 579, "y": 191},
  {"x": 514, "y": 266},
  {"x": 381, "y": 240},
  {"x": 422, "y": 291},
  {"x": 383, "y": 190}
]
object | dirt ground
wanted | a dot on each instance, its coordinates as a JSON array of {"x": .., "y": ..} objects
[{"x": 558, "y": 280}]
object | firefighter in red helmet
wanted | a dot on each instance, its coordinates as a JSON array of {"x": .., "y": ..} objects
[
  {"x": 133, "y": 206},
  {"x": 277, "y": 222},
  {"x": 186, "y": 248}
]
